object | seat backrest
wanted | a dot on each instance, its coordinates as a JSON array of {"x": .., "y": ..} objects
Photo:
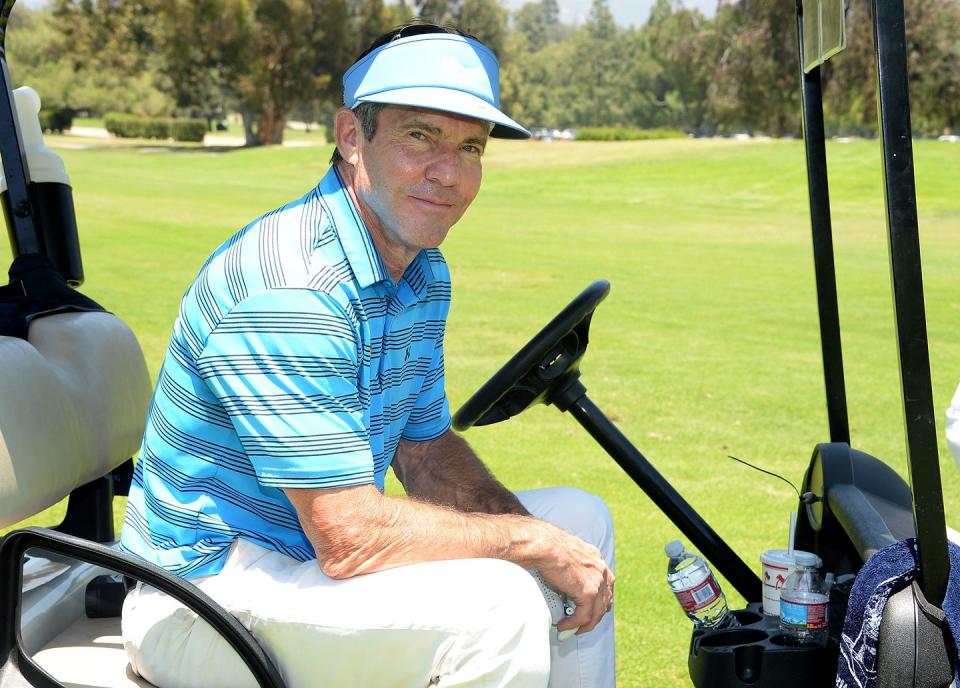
[{"x": 73, "y": 399}]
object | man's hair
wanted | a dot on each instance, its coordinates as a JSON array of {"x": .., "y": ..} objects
[{"x": 369, "y": 113}]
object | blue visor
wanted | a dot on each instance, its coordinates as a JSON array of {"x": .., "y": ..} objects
[{"x": 436, "y": 71}]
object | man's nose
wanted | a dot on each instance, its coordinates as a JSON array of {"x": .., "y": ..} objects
[{"x": 444, "y": 168}]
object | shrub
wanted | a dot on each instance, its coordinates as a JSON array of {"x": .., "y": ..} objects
[
  {"x": 626, "y": 134},
  {"x": 56, "y": 120},
  {"x": 123, "y": 125},
  {"x": 134, "y": 126},
  {"x": 155, "y": 128},
  {"x": 189, "y": 129}
]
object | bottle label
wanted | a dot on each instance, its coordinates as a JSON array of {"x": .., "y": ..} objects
[
  {"x": 699, "y": 596},
  {"x": 810, "y": 616}
]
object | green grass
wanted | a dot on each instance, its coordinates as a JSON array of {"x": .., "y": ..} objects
[{"x": 707, "y": 345}]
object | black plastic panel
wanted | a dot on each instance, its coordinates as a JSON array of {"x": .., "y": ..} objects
[{"x": 915, "y": 646}]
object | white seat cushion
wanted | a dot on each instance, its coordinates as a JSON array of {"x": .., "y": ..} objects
[
  {"x": 73, "y": 401},
  {"x": 89, "y": 654}
]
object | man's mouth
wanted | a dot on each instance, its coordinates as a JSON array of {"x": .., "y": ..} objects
[{"x": 434, "y": 203}]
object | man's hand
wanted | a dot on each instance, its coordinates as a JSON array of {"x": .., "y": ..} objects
[{"x": 578, "y": 570}]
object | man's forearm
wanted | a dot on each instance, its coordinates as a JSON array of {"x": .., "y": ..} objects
[
  {"x": 446, "y": 471},
  {"x": 358, "y": 530}
]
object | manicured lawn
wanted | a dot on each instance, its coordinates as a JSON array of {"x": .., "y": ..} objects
[{"x": 707, "y": 345}]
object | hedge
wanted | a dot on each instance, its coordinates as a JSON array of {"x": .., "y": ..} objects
[
  {"x": 56, "y": 121},
  {"x": 189, "y": 129},
  {"x": 136, "y": 127},
  {"x": 626, "y": 134}
]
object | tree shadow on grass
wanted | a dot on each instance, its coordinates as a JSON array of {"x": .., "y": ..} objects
[
  {"x": 153, "y": 146},
  {"x": 142, "y": 147}
]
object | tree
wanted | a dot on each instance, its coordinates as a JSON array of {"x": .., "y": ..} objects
[
  {"x": 755, "y": 84},
  {"x": 369, "y": 19},
  {"x": 484, "y": 20},
  {"x": 597, "y": 70},
  {"x": 848, "y": 79},
  {"x": 89, "y": 55},
  {"x": 200, "y": 71},
  {"x": 436, "y": 11},
  {"x": 685, "y": 46},
  {"x": 265, "y": 56},
  {"x": 539, "y": 22},
  {"x": 933, "y": 62},
  {"x": 293, "y": 47}
]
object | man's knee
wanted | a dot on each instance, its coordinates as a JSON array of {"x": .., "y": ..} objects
[
  {"x": 518, "y": 600},
  {"x": 579, "y": 512},
  {"x": 507, "y": 643}
]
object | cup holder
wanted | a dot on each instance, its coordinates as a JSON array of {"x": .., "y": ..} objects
[
  {"x": 758, "y": 654},
  {"x": 732, "y": 637},
  {"x": 747, "y": 618},
  {"x": 782, "y": 640}
]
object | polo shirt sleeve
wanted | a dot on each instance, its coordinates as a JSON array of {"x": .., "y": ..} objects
[
  {"x": 430, "y": 417},
  {"x": 284, "y": 364}
]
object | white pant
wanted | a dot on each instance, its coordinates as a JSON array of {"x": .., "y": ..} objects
[{"x": 459, "y": 623}]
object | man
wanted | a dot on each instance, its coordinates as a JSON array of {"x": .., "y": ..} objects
[{"x": 307, "y": 358}]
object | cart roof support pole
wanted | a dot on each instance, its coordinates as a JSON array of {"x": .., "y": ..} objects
[
  {"x": 893, "y": 102},
  {"x": 826, "y": 277},
  {"x": 23, "y": 228}
]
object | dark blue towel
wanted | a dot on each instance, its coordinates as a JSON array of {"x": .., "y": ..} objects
[{"x": 888, "y": 571}]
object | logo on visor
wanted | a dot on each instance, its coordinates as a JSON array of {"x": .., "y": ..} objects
[{"x": 457, "y": 71}]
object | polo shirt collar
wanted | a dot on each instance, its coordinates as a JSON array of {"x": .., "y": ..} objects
[{"x": 357, "y": 244}]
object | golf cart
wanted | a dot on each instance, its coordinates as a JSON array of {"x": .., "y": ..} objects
[{"x": 77, "y": 391}]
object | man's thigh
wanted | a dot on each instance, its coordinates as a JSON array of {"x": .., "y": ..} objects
[{"x": 450, "y": 623}]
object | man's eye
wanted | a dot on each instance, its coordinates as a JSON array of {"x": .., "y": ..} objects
[
  {"x": 470, "y": 148},
  {"x": 418, "y": 135}
]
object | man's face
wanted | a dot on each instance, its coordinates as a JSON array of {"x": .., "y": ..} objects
[{"x": 417, "y": 177}]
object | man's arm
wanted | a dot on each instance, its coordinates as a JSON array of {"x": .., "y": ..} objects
[
  {"x": 357, "y": 530},
  {"x": 447, "y": 471}
]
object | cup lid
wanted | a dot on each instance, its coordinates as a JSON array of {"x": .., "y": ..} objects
[{"x": 783, "y": 557}]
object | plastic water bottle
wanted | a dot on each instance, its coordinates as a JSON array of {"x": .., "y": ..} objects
[
  {"x": 696, "y": 589},
  {"x": 804, "y": 601}
]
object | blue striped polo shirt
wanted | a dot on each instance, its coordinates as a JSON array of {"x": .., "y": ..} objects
[{"x": 295, "y": 362}]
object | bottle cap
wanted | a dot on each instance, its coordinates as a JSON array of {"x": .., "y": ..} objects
[
  {"x": 674, "y": 548},
  {"x": 806, "y": 559}
]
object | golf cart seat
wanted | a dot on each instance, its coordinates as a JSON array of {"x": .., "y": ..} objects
[
  {"x": 73, "y": 403},
  {"x": 72, "y": 411}
]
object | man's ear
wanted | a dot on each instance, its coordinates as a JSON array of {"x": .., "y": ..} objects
[{"x": 347, "y": 132}]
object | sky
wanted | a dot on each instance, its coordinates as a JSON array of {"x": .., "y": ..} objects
[{"x": 625, "y": 12}]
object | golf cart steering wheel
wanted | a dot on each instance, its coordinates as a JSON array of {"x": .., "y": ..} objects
[{"x": 546, "y": 367}]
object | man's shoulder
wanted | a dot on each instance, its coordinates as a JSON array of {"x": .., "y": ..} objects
[{"x": 288, "y": 249}]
